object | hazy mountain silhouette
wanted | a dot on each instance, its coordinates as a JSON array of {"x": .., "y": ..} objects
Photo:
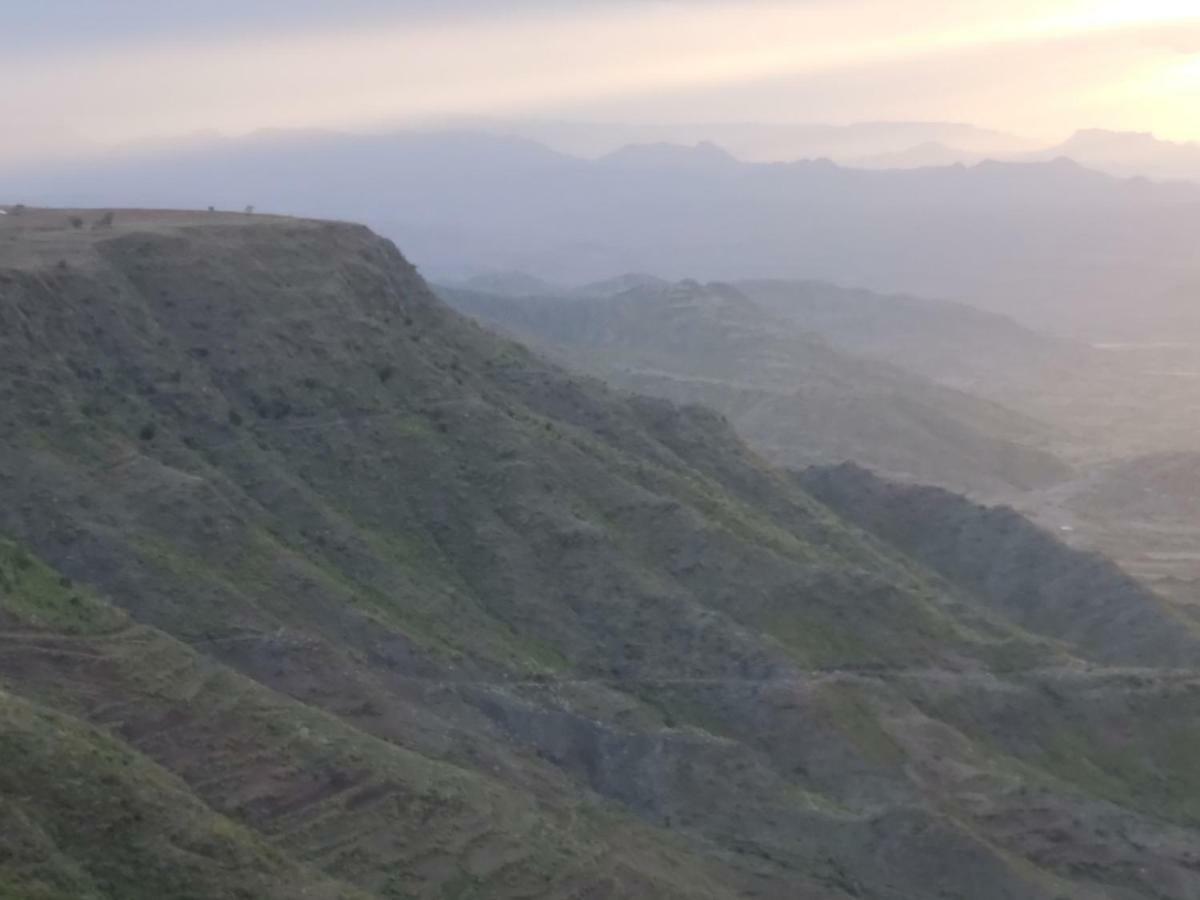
[
  {"x": 1130, "y": 154},
  {"x": 1052, "y": 243},
  {"x": 921, "y": 156},
  {"x": 794, "y": 397},
  {"x": 950, "y": 343},
  {"x": 758, "y": 141}
]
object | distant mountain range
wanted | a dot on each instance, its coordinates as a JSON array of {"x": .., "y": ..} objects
[
  {"x": 872, "y": 145},
  {"x": 1130, "y": 154},
  {"x": 1119, "y": 153},
  {"x": 760, "y": 142},
  {"x": 1057, "y": 245},
  {"x": 950, "y": 343}
]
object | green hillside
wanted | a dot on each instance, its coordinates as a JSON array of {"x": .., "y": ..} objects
[
  {"x": 307, "y": 580},
  {"x": 795, "y": 397}
]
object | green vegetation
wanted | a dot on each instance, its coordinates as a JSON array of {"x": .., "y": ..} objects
[
  {"x": 387, "y": 606},
  {"x": 37, "y": 597},
  {"x": 797, "y": 399},
  {"x": 851, "y": 712},
  {"x": 85, "y": 817},
  {"x": 1014, "y": 568}
]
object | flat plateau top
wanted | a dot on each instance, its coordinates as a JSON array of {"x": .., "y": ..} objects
[{"x": 34, "y": 237}]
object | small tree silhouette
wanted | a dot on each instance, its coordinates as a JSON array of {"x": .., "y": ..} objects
[
  {"x": 250, "y": 209},
  {"x": 105, "y": 221},
  {"x": 76, "y": 222}
]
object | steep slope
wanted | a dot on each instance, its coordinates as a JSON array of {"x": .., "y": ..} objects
[
  {"x": 787, "y": 391},
  {"x": 311, "y": 786},
  {"x": 405, "y": 603},
  {"x": 85, "y": 817},
  {"x": 1141, "y": 511},
  {"x": 1014, "y": 566},
  {"x": 83, "y": 814}
]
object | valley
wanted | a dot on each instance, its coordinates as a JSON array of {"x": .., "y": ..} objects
[
  {"x": 919, "y": 390},
  {"x": 636, "y": 450}
]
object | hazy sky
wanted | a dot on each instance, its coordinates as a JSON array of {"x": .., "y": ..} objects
[{"x": 119, "y": 70}]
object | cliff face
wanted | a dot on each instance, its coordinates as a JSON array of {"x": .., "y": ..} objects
[{"x": 308, "y": 580}]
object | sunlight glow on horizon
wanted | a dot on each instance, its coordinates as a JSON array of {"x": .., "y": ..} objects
[{"x": 1110, "y": 63}]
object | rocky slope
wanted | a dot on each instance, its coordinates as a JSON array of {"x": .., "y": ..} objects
[
  {"x": 1142, "y": 512},
  {"x": 308, "y": 581},
  {"x": 1013, "y": 566},
  {"x": 792, "y": 395}
]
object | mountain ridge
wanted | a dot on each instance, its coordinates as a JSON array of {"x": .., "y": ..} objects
[
  {"x": 791, "y": 394},
  {"x": 1132, "y": 154},
  {"x": 1003, "y": 236},
  {"x": 417, "y": 608}
]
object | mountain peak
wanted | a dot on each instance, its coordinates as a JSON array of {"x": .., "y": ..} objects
[{"x": 1129, "y": 153}]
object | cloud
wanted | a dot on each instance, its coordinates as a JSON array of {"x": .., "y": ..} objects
[{"x": 238, "y": 66}]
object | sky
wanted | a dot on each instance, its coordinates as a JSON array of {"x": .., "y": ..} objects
[{"x": 78, "y": 74}]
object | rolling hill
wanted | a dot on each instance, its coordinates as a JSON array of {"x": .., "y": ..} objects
[
  {"x": 950, "y": 343},
  {"x": 794, "y": 397}
]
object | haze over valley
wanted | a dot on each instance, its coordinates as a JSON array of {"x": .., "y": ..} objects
[{"x": 626, "y": 451}]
